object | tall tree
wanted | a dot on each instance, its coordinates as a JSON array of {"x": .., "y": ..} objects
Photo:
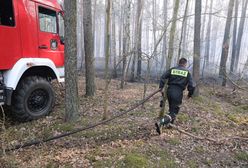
[
  {"x": 164, "y": 49},
  {"x": 138, "y": 33},
  {"x": 208, "y": 35},
  {"x": 171, "y": 49},
  {"x": 183, "y": 29},
  {"x": 225, "y": 44},
  {"x": 203, "y": 26},
  {"x": 88, "y": 45},
  {"x": 113, "y": 42},
  {"x": 172, "y": 35},
  {"x": 234, "y": 38},
  {"x": 107, "y": 57},
  {"x": 197, "y": 44},
  {"x": 126, "y": 40},
  {"x": 71, "y": 77},
  {"x": 240, "y": 34},
  {"x": 137, "y": 41}
]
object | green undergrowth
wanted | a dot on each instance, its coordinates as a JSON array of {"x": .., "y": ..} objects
[
  {"x": 136, "y": 155},
  {"x": 242, "y": 156}
]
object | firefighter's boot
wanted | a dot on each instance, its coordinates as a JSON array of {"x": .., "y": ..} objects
[{"x": 163, "y": 122}]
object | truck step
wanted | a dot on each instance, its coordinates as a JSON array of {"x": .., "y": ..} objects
[{"x": 1, "y": 90}]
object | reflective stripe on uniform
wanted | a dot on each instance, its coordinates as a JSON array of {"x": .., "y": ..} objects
[{"x": 179, "y": 72}]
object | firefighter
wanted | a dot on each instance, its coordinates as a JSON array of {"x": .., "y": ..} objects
[{"x": 178, "y": 79}]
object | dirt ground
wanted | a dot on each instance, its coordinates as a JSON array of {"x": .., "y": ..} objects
[{"x": 131, "y": 141}]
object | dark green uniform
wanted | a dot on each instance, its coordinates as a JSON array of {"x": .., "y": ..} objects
[{"x": 178, "y": 79}]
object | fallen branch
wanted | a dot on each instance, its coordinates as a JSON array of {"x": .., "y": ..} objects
[
  {"x": 217, "y": 141},
  {"x": 192, "y": 135}
]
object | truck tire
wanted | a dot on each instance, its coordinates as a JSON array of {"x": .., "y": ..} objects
[{"x": 32, "y": 99}]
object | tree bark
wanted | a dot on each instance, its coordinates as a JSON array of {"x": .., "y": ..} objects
[
  {"x": 113, "y": 43},
  {"x": 225, "y": 46},
  {"x": 164, "y": 49},
  {"x": 172, "y": 35},
  {"x": 88, "y": 45},
  {"x": 234, "y": 39},
  {"x": 126, "y": 40},
  {"x": 138, "y": 34},
  {"x": 71, "y": 77},
  {"x": 183, "y": 29},
  {"x": 107, "y": 57},
  {"x": 240, "y": 35},
  {"x": 197, "y": 45},
  {"x": 208, "y": 35}
]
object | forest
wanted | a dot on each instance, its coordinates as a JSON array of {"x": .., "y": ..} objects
[{"x": 115, "y": 54}]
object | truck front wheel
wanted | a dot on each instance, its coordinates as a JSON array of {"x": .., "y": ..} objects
[{"x": 32, "y": 99}]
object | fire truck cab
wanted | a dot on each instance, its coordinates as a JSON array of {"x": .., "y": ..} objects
[{"x": 31, "y": 55}]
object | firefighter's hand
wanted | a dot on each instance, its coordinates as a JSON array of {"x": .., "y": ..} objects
[
  {"x": 189, "y": 96},
  {"x": 162, "y": 92}
]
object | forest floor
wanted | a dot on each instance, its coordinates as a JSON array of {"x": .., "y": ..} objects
[{"x": 131, "y": 141}]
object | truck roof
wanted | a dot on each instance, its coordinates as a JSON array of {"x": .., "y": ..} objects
[{"x": 51, "y": 3}]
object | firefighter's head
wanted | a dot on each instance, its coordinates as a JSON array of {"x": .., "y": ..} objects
[{"x": 183, "y": 62}]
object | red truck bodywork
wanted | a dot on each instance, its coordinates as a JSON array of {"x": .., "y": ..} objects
[{"x": 25, "y": 39}]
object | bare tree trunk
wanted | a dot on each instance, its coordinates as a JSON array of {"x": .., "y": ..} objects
[
  {"x": 234, "y": 40},
  {"x": 203, "y": 27},
  {"x": 172, "y": 35},
  {"x": 137, "y": 41},
  {"x": 183, "y": 29},
  {"x": 71, "y": 75},
  {"x": 197, "y": 45},
  {"x": 225, "y": 46},
  {"x": 126, "y": 40},
  {"x": 107, "y": 57},
  {"x": 113, "y": 44},
  {"x": 208, "y": 34},
  {"x": 89, "y": 49},
  {"x": 138, "y": 32},
  {"x": 164, "y": 49},
  {"x": 245, "y": 68},
  {"x": 120, "y": 31},
  {"x": 94, "y": 26},
  {"x": 214, "y": 43},
  {"x": 80, "y": 37},
  {"x": 240, "y": 35},
  {"x": 154, "y": 27},
  {"x": 171, "y": 50}
]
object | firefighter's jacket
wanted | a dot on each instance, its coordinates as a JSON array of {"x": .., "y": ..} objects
[{"x": 180, "y": 77}]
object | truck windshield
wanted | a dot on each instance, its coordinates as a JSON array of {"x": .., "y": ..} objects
[{"x": 61, "y": 26}]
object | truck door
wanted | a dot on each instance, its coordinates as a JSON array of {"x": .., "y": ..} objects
[{"x": 50, "y": 45}]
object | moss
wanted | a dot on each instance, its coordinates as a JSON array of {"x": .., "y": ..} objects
[
  {"x": 239, "y": 119},
  {"x": 217, "y": 109},
  {"x": 182, "y": 117},
  {"x": 165, "y": 158},
  {"x": 63, "y": 127},
  {"x": 242, "y": 156},
  {"x": 241, "y": 109},
  {"x": 53, "y": 165},
  {"x": 8, "y": 162},
  {"x": 174, "y": 141},
  {"x": 192, "y": 164},
  {"x": 199, "y": 149},
  {"x": 208, "y": 162},
  {"x": 135, "y": 160},
  {"x": 199, "y": 100}
]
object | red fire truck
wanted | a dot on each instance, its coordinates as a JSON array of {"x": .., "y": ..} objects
[{"x": 31, "y": 55}]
